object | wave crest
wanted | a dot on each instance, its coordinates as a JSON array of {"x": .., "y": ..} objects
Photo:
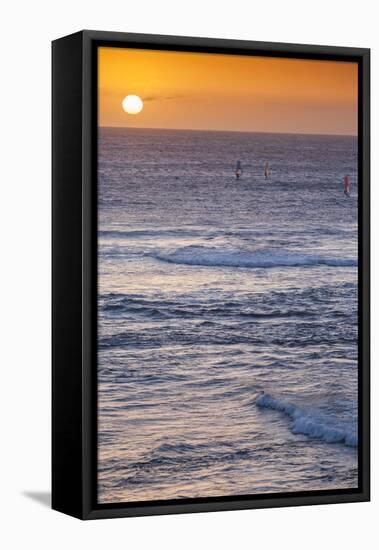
[
  {"x": 306, "y": 424},
  {"x": 213, "y": 257}
]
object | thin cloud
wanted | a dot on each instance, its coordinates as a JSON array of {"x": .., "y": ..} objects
[{"x": 158, "y": 97}]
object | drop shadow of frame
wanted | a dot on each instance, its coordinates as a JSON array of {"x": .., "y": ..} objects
[{"x": 41, "y": 497}]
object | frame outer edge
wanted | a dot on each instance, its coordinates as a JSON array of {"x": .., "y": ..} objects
[
  {"x": 67, "y": 384},
  {"x": 199, "y": 42}
]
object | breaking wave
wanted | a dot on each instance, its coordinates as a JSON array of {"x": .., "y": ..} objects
[
  {"x": 206, "y": 256},
  {"x": 309, "y": 425}
]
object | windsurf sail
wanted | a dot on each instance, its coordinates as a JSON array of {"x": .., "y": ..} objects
[
  {"x": 238, "y": 169},
  {"x": 346, "y": 186}
]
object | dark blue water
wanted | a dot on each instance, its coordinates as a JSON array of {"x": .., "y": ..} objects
[{"x": 227, "y": 314}]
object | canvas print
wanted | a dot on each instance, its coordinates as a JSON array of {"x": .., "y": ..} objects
[{"x": 227, "y": 275}]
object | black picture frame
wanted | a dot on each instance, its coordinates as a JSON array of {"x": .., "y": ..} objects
[{"x": 74, "y": 273}]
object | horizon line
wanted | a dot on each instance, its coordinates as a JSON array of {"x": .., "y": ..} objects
[{"x": 227, "y": 131}]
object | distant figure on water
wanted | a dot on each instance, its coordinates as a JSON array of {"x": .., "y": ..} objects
[
  {"x": 238, "y": 169},
  {"x": 267, "y": 171},
  {"x": 346, "y": 186}
]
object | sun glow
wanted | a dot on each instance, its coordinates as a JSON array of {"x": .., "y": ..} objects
[
  {"x": 132, "y": 104},
  {"x": 187, "y": 90}
]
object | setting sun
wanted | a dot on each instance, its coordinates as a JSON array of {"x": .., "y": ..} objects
[{"x": 132, "y": 104}]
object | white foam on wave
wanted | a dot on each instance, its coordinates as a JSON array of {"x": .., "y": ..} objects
[
  {"x": 207, "y": 256},
  {"x": 305, "y": 423}
]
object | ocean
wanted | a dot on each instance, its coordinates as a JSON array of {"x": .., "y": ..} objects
[{"x": 227, "y": 314}]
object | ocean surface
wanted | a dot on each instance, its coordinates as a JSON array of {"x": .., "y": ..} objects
[{"x": 227, "y": 360}]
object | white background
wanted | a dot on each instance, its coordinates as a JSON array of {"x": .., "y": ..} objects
[{"x": 27, "y": 29}]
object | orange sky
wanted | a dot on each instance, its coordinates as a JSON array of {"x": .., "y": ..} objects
[{"x": 227, "y": 92}]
